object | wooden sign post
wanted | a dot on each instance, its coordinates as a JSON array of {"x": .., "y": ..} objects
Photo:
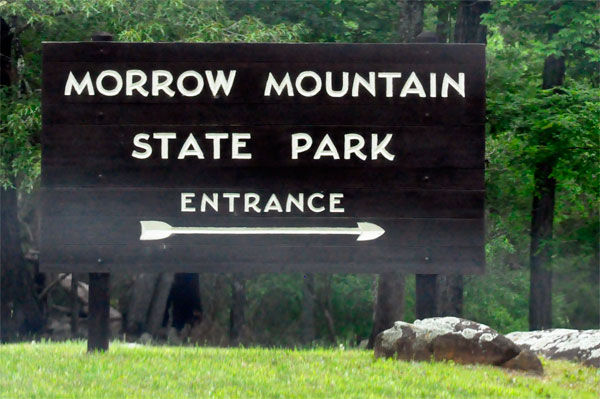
[{"x": 202, "y": 157}]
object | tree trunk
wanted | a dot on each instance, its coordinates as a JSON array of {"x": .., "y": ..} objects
[
  {"x": 542, "y": 218},
  {"x": 184, "y": 299},
  {"x": 158, "y": 307},
  {"x": 389, "y": 298},
  {"x": 442, "y": 29},
  {"x": 237, "y": 318},
  {"x": 468, "y": 29},
  {"x": 450, "y": 295},
  {"x": 307, "y": 317},
  {"x": 20, "y": 312},
  {"x": 325, "y": 305},
  {"x": 139, "y": 305},
  {"x": 389, "y": 303},
  {"x": 410, "y": 19},
  {"x": 542, "y": 215}
]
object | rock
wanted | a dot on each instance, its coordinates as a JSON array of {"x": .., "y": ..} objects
[
  {"x": 575, "y": 345},
  {"x": 145, "y": 338},
  {"x": 445, "y": 338},
  {"x": 173, "y": 336},
  {"x": 526, "y": 360},
  {"x": 363, "y": 344}
]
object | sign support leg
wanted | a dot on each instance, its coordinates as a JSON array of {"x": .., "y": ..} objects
[
  {"x": 99, "y": 296},
  {"x": 426, "y": 293},
  {"x": 99, "y": 311}
]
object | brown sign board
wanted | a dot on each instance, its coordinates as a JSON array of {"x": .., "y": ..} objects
[{"x": 198, "y": 157}]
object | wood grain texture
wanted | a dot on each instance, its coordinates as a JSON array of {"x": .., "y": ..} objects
[
  {"x": 99, "y": 156},
  {"x": 264, "y": 52},
  {"x": 161, "y": 203},
  {"x": 429, "y": 200},
  {"x": 156, "y": 257},
  {"x": 250, "y": 81}
]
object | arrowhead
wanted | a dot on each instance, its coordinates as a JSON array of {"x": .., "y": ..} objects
[
  {"x": 154, "y": 230},
  {"x": 369, "y": 231}
]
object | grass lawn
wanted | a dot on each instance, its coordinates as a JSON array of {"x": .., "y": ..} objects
[{"x": 65, "y": 370}]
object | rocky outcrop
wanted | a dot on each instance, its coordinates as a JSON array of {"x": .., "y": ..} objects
[
  {"x": 575, "y": 345},
  {"x": 447, "y": 338}
]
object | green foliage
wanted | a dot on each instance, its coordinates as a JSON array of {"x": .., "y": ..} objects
[
  {"x": 19, "y": 143},
  {"x": 327, "y": 20},
  {"x": 526, "y": 125},
  {"x": 66, "y": 371}
]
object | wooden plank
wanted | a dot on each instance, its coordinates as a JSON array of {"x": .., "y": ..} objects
[
  {"x": 250, "y": 80},
  {"x": 421, "y": 112},
  {"x": 157, "y": 257},
  {"x": 158, "y": 203},
  {"x": 125, "y": 230},
  {"x": 102, "y": 175},
  {"x": 264, "y": 52},
  {"x": 429, "y": 200},
  {"x": 107, "y": 151}
]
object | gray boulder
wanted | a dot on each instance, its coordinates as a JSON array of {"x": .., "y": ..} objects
[
  {"x": 446, "y": 338},
  {"x": 575, "y": 345}
]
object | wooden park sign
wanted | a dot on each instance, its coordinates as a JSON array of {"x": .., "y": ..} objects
[{"x": 263, "y": 157}]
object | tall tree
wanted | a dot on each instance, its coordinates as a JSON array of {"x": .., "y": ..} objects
[
  {"x": 542, "y": 209},
  {"x": 389, "y": 298},
  {"x": 307, "y": 316},
  {"x": 468, "y": 29},
  {"x": 552, "y": 124},
  {"x": 237, "y": 317},
  {"x": 21, "y": 313}
]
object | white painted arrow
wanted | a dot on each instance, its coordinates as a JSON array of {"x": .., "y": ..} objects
[{"x": 156, "y": 230}]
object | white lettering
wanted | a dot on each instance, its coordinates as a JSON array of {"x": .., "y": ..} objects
[
  {"x": 308, "y": 74},
  {"x": 350, "y": 149},
  {"x": 432, "y": 85},
  {"x": 409, "y": 89},
  {"x": 273, "y": 204},
  {"x": 137, "y": 141},
  {"x": 360, "y": 81},
  {"x": 130, "y": 85},
  {"x": 199, "y": 84},
  {"x": 335, "y": 199},
  {"x": 164, "y": 142},
  {"x": 186, "y": 198},
  {"x": 377, "y": 149},
  {"x": 311, "y": 205},
  {"x": 298, "y": 203},
  {"x": 158, "y": 85},
  {"x": 216, "y": 139},
  {"x": 286, "y": 84},
  {"x": 458, "y": 86},
  {"x": 389, "y": 81},
  {"x": 326, "y": 149},
  {"x": 329, "y": 88},
  {"x": 296, "y": 149},
  {"x": 214, "y": 202},
  {"x": 231, "y": 197},
  {"x": 251, "y": 201},
  {"x": 100, "y": 85},
  {"x": 220, "y": 82},
  {"x": 237, "y": 144},
  {"x": 72, "y": 83},
  {"x": 190, "y": 148}
]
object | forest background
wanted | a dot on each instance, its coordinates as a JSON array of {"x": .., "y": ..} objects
[{"x": 542, "y": 187}]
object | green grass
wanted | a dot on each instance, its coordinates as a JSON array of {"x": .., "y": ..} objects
[{"x": 65, "y": 370}]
